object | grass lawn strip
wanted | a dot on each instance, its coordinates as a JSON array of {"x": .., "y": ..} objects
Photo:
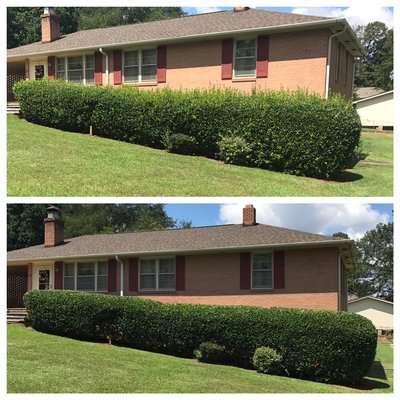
[
  {"x": 71, "y": 366},
  {"x": 48, "y": 162}
]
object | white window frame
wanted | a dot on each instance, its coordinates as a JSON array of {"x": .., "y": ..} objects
[
  {"x": 272, "y": 270},
  {"x": 140, "y": 64},
  {"x": 96, "y": 274},
  {"x": 157, "y": 259},
  {"x": 234, "y": 58},
  {"x": 84, "y": 82}
]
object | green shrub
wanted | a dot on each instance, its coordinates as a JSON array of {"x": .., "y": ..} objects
[
  {"x": 294, "y": 132},
  {"x": 211, "y": 353},
  {"x": 324, "y": 346},
  {"x": 234, "y": 150},
  {"x": 180, "y": 143},
  {"x": 267, "y": 360}
]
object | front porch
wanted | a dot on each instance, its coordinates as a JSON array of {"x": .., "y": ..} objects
[
  {"x": 16, "y": 71},
  {"x": 19, "y": 281}
]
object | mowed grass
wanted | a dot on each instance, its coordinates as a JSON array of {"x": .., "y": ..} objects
[
  {"x": 50, "y": 162},
  {"x": 42, "y": 363}
]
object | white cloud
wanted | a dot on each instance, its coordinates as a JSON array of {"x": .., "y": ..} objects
[
  {"x": 203, "y": 10},
  {"x": 353, "y": 219},
  {"x": 358, "y": 14}
]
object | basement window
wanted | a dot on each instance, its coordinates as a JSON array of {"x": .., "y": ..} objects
[
  {"x": 86, "y": 276},
  {"x": 261, "y": 271},
  {"x": 157, "y": 274},
  {"x": 245, "y": 58}
]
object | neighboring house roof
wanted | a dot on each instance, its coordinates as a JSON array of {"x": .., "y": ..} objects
[
  {"x": 373, "y": 97},
  {"x": 364, "y": 92},
  {"x": 370, "y": 297},
  {"x": 216, "y": 24},
  {"x": 193, "y": 240}
]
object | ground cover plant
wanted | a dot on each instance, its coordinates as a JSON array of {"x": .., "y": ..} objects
[
  {"x": 294, "y": 132},
  {"x": 48, "y": 162},
  {"x": 324, "y": 346}
]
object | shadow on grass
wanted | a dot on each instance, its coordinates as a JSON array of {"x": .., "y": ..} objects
[
  {"x": 375, "y": 372},
  {"x": 347, "y": 176}
]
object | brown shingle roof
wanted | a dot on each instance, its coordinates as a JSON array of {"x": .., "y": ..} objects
[
  {"x": 213, "y": 238},
  {"x": 165, "y": 30}
]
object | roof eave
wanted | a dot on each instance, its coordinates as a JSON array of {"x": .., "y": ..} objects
[
  {"x": 345, "y": 243},
  {"x": 330, "y": 23}
]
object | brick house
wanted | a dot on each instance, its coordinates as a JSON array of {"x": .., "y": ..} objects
[
  {"x": 243, "y": 264},
  {"x": 243, "y": 48}
]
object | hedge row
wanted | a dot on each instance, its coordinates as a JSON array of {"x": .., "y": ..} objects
[
  {"x": 324, "y": 346},
  {"x": 293, "y": 132}
]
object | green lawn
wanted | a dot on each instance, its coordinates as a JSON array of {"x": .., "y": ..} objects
[
  {"x": 41, "y": 363},
  {"x": 49, "y": 162}
]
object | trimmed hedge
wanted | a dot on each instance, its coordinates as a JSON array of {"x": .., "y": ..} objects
[
  {"x": 324, "y": 346},
  {"x": 293, "y": 132}
]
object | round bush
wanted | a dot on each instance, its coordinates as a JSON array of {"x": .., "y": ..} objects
[
  {"x": 211, "y": 353},
  {"x": 234, "y": 150},
  {"x": 267, "y": 360},
  {"x": 324, "y": 346},
  {"x": 180, "y": 143}
]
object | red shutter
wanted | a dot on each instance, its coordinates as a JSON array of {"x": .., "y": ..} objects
[
  {"x": 227, "y": 59},
  {"x": 117, "y": 62},
  {"x": 262, "y": 56},
  {"x": 58, "y": 275},
  {"x": 51, "y": 68},
  {"x": 180, "y": 272},
  {"x": 245, "y": 270},
  {"x": 133, "y": 274},
  {"x": 161, "y": 64},
  {"x": 98, "y": 68},
  {"x": 112, "y": 275},
  {"x": 279, "y": 269}
]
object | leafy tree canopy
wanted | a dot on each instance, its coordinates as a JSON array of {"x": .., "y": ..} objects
[
  {"x": 25, "y": 221},
  {"x": 24, "y": 23},
  {"x": 376, "y": 67},
  {"x": 373, "y": 275}
]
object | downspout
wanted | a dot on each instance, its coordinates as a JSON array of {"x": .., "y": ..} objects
[
  {"x": 328, "y": 62},
  {"x": 106, "y": 55},
  {"x": 121, "y": 275},
  {"x": 341, "y": 253}
]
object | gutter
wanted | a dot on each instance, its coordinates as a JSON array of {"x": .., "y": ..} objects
[
  {"x": 106, "y": 55},
  {"x": 324, "y": 243},
  {"x": 121, "y": 276},
  {"x": 328, "y": 60},
  {"x": 267, "y": 29}
]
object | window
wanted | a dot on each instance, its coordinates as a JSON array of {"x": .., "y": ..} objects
[
  {"x": 245, "y": 58},
  {"x": 262, "y": 271},
  {"x": 78, "y": 69},
  {"x": 89, "y": 69},
  {"x": 75, "y": 69},
  {"x": 60, "y": 68},
  {"x": 86, "y": 276},
  {"x": 157, "y": 274},
  {"x": 140, "y": 66}
]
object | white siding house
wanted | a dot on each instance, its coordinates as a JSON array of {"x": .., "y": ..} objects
[
  {"x": 376, "y": 111},
  {"x": 380, "y": 312}
]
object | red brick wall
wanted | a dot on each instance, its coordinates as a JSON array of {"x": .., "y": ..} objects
[{"x": 310, "y": 282}]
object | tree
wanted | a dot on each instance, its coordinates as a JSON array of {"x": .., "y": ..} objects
[
  {"x": 373, "y": 275},
  {"x": 25, "y": 221},
  {"x": 341, "y": 235},
  {"x": 376, "y": 67},
  {"x": 24, "y": 23}
]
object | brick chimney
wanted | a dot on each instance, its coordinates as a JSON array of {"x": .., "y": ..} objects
[
  {"x": 53, "y": 228},
  {"x": 50, "y": 25},
  {"x": 249, "y": 215},
  {"x": 240, "y": 9}
]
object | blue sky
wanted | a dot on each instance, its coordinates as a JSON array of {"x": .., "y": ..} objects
[
  {"x": 359, "y": 13},
  {"x": 353, "y": 218}
]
